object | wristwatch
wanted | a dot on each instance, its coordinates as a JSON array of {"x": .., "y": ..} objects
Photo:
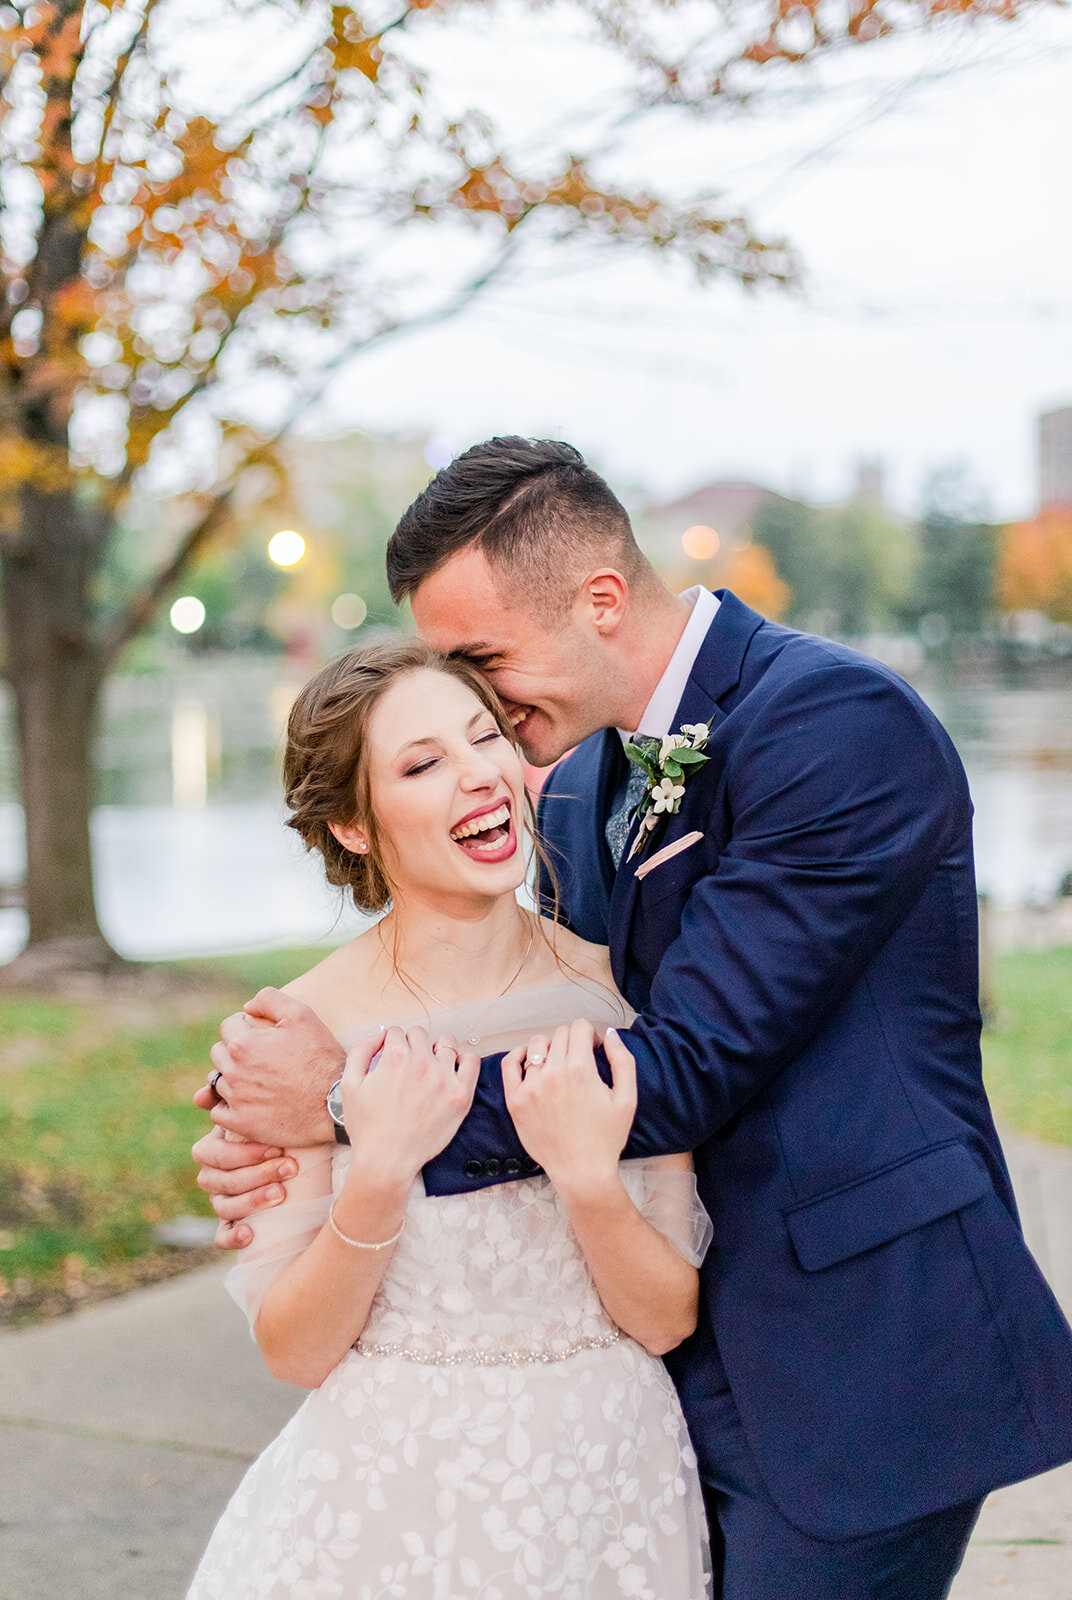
[{"x": 335, "y": 1112}]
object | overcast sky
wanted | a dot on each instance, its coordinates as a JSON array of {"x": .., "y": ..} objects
[{"x": 926, "y": 188}]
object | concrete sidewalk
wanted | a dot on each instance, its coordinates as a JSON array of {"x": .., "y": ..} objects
[
  {"x": 124, "y": 1429},
  {"x": 1022, "y": 1547}
]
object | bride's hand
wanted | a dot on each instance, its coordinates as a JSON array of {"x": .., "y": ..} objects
[
  {"x": 567, "y": 1118},
  {"x": 409, "y": 1107}
]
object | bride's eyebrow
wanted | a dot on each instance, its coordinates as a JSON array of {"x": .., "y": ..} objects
[{"x": 431, "y": 739}]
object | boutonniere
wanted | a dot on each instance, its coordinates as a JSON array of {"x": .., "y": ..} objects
[{"x": 668, "y": 771}]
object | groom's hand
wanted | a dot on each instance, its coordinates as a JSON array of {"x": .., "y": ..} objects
[
  {"x": 240, "y": 1179},
  {"x": 274, "y": 1064}
]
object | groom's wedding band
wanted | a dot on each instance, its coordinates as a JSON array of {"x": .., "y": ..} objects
[
  {"x": 214, "y": 1081},
  {"x": 535, "y": 1061}
]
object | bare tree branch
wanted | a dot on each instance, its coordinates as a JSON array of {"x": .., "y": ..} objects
[
  {"x": 113, "y": 92},
  {"x": 143, "y": 604}
]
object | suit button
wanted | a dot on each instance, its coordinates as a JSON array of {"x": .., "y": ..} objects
[
  {"x": 533, "y": 1166},
  {"x": 511, "y": 1165},
  {"x": 474, "y": 1169},
  {"x": 492, "y": 1168}
]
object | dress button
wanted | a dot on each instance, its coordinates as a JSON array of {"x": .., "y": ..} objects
[
  {"x": 474, "y": 1169},
  {"x": 492, "y": 1168},
  {"x": 511, "y": 1165}
]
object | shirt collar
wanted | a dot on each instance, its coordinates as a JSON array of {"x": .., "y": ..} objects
[{"x": 661, "y": 709}]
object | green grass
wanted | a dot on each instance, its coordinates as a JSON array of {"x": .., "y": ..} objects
[
  {"x": 96, "y": 1122},
  {"x": 96, "y": 1126},
  {"x": 262, "y": 967},
  {"x": 1027, "y": 1053}
]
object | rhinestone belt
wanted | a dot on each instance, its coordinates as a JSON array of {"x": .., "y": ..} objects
[{"x": 488, "y": 1358}]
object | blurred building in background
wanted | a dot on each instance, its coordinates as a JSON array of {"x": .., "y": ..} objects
[
  {"x": 727, "y": 507},
  {"x": 846, "y": 569},
  {"x": 1033, "y": 580},
  {"x": 1055, "y": 459}
]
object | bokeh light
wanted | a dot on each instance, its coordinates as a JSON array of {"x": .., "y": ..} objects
[
  {"x": 700, "y": 542},
  {"x": 187, "y": 614},
  {"x": 286, "y": 548},
  {"x": 348, "y": 611}
]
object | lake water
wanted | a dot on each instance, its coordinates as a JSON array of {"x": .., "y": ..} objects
[
  {"x": 1016, "y": 744},
  {"x": 193, "y": 855}
]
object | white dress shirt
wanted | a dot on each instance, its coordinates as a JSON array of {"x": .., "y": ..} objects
[{"x": 661, "y": 709}]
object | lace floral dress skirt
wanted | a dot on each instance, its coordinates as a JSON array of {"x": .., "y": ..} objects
[{"x": 492, "y": 1435}]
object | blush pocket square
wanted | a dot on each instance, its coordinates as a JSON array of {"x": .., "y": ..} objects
[{"x": 667, "y": 853}]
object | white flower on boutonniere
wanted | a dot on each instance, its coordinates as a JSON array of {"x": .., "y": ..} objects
[
  {"x": 668, "y": 772},
  {"x": 667, "y": 796}
]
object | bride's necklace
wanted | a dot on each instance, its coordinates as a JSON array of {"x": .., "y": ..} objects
[{"x": 473, "y": 1035}]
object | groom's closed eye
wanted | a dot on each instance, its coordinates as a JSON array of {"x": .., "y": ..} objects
[{"x": 473, "y": 658}]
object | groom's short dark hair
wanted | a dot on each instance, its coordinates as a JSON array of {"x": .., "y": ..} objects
[{"x": 534, "y": 507}]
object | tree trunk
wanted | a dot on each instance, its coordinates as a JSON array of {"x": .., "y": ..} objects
[{"x": 54, "y": 668}]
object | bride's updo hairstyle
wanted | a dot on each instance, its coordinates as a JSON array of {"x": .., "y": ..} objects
[{"x": 325, "y": 768}]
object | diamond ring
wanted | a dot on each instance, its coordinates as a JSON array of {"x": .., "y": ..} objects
[{"x": 535, "y": 1061}]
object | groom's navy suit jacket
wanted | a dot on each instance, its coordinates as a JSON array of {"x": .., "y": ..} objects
[{"x": 806, "y": 978}]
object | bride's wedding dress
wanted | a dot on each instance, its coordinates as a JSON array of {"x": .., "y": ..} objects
[{"x": 492, "y": 1435}]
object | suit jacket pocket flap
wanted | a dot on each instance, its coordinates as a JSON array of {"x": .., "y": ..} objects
[{"x": 881, "y": 1207}]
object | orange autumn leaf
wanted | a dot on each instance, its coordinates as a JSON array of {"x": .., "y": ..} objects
[
  {"x": 1034, "y": 568},
  {"x": 55, "y": 40},
  {"x": 351, "y": 48}
]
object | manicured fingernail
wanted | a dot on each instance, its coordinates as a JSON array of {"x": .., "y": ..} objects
[
  {"x": 273, "y": 1194},
  {"x": 270, "y": 1155},
  {"x": 610, "y": 1032},
  {"x": 243, "y": 1235},
  {"x": 286, "y": 1169}
]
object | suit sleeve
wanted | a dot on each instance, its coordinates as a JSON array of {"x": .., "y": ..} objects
[{"x": 845, "y": 794}]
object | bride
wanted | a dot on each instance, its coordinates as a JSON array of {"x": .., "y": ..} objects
[{"x": 489, "y": 1417}]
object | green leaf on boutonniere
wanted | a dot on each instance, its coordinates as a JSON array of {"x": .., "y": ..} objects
[
  {"x": 643, "y": 759},
  {"x": 690, "y": 758}
]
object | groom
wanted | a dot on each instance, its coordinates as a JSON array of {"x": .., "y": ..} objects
[{"x": 877, "y": 1349}]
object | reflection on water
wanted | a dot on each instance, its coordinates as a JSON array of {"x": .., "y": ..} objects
[
  {"x": 193, "y": 855},
  {"x": 189, "y": 755},
  {"x": 1016, "y": 745}
]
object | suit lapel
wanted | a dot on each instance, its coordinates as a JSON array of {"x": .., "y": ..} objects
[
  {"x": 715, "y": 673},
  {"x": 720, "y": 662}
]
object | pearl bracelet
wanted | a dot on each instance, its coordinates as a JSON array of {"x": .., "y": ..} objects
[{"x": 358, "y": 1244}]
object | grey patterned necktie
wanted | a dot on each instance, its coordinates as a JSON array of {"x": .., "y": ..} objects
[{"x": 616, "y": 830}]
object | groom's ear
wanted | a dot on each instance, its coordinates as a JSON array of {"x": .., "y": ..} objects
[{"x": 603, "y": 598}]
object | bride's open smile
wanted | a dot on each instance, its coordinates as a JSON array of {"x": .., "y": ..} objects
[{"x": 488, "y": 834}]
